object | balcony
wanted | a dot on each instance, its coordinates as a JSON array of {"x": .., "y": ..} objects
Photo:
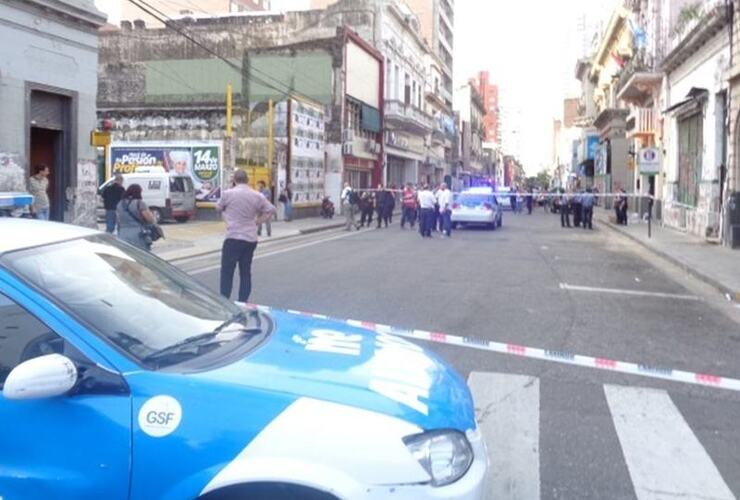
[
  {"x": 447, "y": 11},
  {"x": 407, "y": 117},
  {"x": 639, "y": 80},
  {"x": 640, "y": 122}
]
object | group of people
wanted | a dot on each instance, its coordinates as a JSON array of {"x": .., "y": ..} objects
[
  {"x": 581, "y": 205},
  {"x": 431, "y": 209}
]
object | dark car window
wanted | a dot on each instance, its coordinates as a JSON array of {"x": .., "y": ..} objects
[
  {"x": 138, "y": 302},
  {"x": 22, "y": 337},
  {"x": 474, "y": 200}
]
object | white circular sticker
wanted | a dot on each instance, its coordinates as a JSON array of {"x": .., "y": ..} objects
[{"x": 160, "y": 416}]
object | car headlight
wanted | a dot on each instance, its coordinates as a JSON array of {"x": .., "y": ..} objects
[{"x": 445, "y": 454}]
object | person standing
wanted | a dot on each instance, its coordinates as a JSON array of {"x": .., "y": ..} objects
[
  {"x": 576, "y": 208},
  {"x": 587, "y": 202},
  {"x": 133, "y": 214},
  {"x": 350, "y": 202},
  {"x": 565, "y": 209},
  {"x": 38, "y": 187},
  {"x": 512, "y": 200},
  {"x": 286, "y": 198},
  {"x": 622, "y": 207},
  {"x": 426, "y": 208},
  {"x": 243, "y": 209},
  {"x": 444, "y": 200},
  {"x": 380, "y": 202},
  {"x": 390, "y": 205},
  {"x": 529, "y": 198},
  {"x": 267, "y": 193},
  {"x": 366, "y": 207},
  {"x": 112, "y": 195},
  {"x": 408, "y": 206}
]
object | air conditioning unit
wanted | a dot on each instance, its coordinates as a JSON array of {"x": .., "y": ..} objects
[
  {"x": 347, "y": 148},
  {"x": 348, "y": 135}
]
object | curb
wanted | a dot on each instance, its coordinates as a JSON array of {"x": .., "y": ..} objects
[
  {"x": 733, "y": 294},
  {"x": 300, "y": 232}
]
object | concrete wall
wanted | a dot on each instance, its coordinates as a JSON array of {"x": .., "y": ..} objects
[{"x": 40, "y": 47}]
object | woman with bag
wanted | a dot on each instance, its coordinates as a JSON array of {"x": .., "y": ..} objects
[
  {"x": 134, "y": 219},
  {"x": 286, "y": 198}
]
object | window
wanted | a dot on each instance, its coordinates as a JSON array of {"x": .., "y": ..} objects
[
  {"x": 689, "y": 158},
  {"x": 22, "y": 337},
  {"x": 407, "y": 90}
]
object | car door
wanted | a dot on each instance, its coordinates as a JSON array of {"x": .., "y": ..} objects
[{"x": 72, "y": 446}]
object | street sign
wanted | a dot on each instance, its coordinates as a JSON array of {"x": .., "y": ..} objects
[
  {"x": 648, "y": 160},
  {"x": 99, "y": 139}
]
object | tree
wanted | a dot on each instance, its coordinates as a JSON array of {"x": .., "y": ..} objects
[{"x": 543, "y": 179}]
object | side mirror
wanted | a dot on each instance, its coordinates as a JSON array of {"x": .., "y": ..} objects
[{"x": 42, "y": 377}]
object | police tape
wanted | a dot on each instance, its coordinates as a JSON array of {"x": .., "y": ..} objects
[
  {"x": 534, "y": 194},
  {"x": 556, "y": 356}
]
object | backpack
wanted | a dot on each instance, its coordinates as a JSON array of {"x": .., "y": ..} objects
[{"x": 354, "y": 198}]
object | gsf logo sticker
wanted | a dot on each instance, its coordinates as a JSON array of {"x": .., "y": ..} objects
[{"x": 160, "y": 416}]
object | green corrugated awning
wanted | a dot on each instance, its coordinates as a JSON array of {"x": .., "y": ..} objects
[
  {"x": 369, "y": 118},
  {"x": 188, "y": 80}
]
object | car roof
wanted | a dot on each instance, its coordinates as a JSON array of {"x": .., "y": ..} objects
[
  {"x": 478, "y": 190},
  {"x": 25, "y": 233}
]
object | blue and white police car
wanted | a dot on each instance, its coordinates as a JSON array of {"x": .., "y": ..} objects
[{"x": 124, "y": 378}]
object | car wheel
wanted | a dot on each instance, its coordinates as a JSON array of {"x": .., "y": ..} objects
[
  {"x": 500, "y": 222},
  {"x": 157, "y": 213},
  {"x": 182, "y": 219},
  {"x": 491, "y": 226},
  {"x": 267, "y": 491},
  {"x": 454, "y": 225}
]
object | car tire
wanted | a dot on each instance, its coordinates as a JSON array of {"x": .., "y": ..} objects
[
  {"x": 182, "y": 219},
  {"x": 267, "y": 491},
  {"x": 454, "y": 225},
  {"x": 500, "y": 222}
]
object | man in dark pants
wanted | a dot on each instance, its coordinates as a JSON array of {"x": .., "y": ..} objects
[
  {"x": 243, "y": 209},
  {"x": 587, "y": 202},
  {"x": 112, "y": 194},
  {"x": 576, "y": 208},
  {"x": 565, "y": 210}
]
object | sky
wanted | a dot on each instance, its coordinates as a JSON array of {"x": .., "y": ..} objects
[{"x": 530, "y": 49}]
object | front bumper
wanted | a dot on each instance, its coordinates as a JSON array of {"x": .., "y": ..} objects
[{"x": 472, "y": 486}]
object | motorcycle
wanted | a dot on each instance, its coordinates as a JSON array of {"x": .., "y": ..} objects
[{"x": 327, "y": 208}]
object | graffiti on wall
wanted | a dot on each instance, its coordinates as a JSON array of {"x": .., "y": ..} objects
[
  {"x": 12, "y": 174},
  {"x": 86, "y": 194}
]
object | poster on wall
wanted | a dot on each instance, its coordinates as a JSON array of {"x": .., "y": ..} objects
[
  {"x": 307, "y": 145},
  {"x": 202, "y": 161}
]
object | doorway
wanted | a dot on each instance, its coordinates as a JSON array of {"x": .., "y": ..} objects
[{"x": 45, "y": 148}]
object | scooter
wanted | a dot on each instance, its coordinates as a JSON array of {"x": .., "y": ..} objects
[{"x": 327, "y": 208}]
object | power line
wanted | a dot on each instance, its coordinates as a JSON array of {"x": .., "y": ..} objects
[{"x": 169, "y": 22}]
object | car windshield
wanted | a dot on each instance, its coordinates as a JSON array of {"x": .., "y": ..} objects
[
  {"x": 474, "y": 200},
  {"x": 145, "y": 307}
]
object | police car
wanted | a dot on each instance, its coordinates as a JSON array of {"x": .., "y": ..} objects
[
  {"x": 124, "y": 378},
  {"x": 476, "y": 206}
]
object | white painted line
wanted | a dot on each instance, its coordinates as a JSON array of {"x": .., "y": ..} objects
[
  {"x": 620, "y": 291},
  {"x": 508, "y": 412},
  {"x": 664, "y": 457},
  {"x": 277, "y": 252}
]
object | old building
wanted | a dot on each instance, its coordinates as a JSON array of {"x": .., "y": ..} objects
[
  {"x": 471, "y": 110},
  {"x": 156, "y": 85},
  {"x": 48, "y": 83},
  {"x": 201, "y": 8},
  {"x": 491, "y": 119},
  {"x": 731, "y": 187}
]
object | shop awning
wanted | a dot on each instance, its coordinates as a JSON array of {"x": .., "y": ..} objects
[{"x": 695, "y": 95}]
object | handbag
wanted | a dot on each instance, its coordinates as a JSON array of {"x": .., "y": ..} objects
[{"x": 149, "y": 232}]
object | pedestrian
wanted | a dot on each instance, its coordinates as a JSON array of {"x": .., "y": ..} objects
[
  {"x": 389, "y": 207},
  {"x": 243, "y": 209},
  {"x": 436, "y": 220},
  {"x": 133, "y": 215},
  {"x": 444, "y": 200},
  {"x": 380, "y": 202},
  {"x": 565, "y": 210},
  {"x": 112, "y": 195},
  {"x": 350, "y": 204},
  {"x": 286, "y": 198},
  {"x": 512, "y": 200},
  {"x": 576, "y": 208},
  {"x": 587, "y": 202},
  {"x": 621, "y": 207},
  {"x": 529, "y": 199},
  {"x": 367, "y": 206},
  {"x": 408, "y": 206},
  {"x": 426, "y": 209},
  {"x": 392, "y": 192},
  {"x": 38, "y": 187},
  {"x": 267, "y": 193}
]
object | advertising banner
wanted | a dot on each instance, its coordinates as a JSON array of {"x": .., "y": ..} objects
[
  {"x": 202, "y": 161},
  {"x": 307, "y": 146},
  {"x": 592, "y": 143}
]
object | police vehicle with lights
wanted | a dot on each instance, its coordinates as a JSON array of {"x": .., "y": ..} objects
[
  {"x": 477, "y": 206},
  {"x": 124, "y": 378}
]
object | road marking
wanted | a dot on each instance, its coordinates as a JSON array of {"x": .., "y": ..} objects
[
  {"x": 508, "y": 413},
  {"x": 214, "y": 267},
  {"x": 619, "y": 291},
  {"x": 663, "y": 456}
]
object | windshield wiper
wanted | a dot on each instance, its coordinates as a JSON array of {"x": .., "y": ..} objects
[{"x": 203, "y": 339}]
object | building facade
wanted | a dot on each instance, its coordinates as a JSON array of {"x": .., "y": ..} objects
[
  {"x": 469, "y": 105},
  {"x": 489, "y": 95},
  {"x": 731, "y": 188},
  {"x": 176, "y": 10},
  {"x": 48, "y": 83}
]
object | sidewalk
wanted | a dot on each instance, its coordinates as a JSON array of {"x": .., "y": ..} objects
[
  {"x": 716, "y": 265},
  {"x": 195, "y": 238}
]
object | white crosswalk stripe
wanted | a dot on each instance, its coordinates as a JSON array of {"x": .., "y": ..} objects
[
  {"x": 508, "y": 411},
  {"x": 663, "y": 456}
]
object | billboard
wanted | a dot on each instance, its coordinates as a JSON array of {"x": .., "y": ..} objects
[
  {"x": 592, "y": 143},
  {"x": 201, "y": 160}
]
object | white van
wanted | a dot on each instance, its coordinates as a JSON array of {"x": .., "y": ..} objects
[{"x": 168, "y": 196}]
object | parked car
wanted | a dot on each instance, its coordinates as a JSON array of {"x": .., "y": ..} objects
[
  {"x": 169, "y": 196},
  {"x": 476, "y": 206},
  {"x": 124, "y": 378}
]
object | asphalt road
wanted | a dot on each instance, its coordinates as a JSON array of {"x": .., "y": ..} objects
[{"x": 554, "y": 431}]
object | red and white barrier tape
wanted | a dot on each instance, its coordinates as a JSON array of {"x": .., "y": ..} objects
[{"x": 563, "y": 357}]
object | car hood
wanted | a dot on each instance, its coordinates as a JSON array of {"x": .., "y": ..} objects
[{"x": 332, "y": 361}]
